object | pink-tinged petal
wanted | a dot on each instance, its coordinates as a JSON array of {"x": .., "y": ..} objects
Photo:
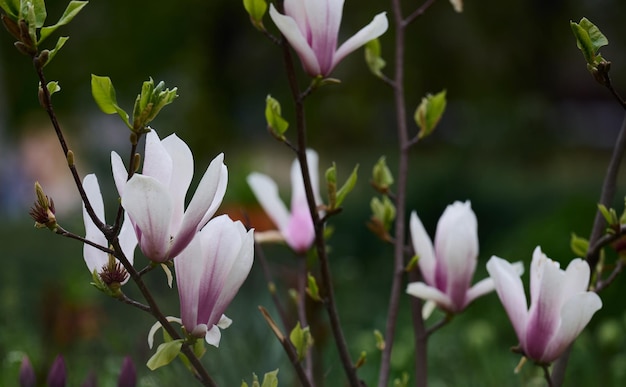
[
  {"x": 204, "y": 199},
  {"x": 148, "y": 203},
  {"x": 545, "y": 312},
  {"x": 575, "y": 315},
  {"x": 324, "y": 18},
  {"x": 296, "y": 9},
  {"x": 266, "y": 192},
  {"x": 237, "y": 274},
  {"x": 300, "y": 232},
  {"x": 182, "y": 167},
  {"x": 456, "y": 248},
  {"x": 120, "y": 174},
  {"x": 219, "y": 195},
  {"x": 94, "y": 258},
  {"x": 213, "y": 336},
  {"x": 511, "y": 293},
  {"x": 221, "y": 245},
  {"x": 376, "y": 28},
  {"x": 190, "y": 272},
  {"x": 292, "y": 33},
  {"x": 298, "y": 194},
  {"x": 423, "y": 247},
  {"x": 157, "y": 161},
  {"x": 425, "y": 292}
]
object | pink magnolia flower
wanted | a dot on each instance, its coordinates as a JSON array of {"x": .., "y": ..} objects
[
  {"x": 155, "y": 199},
  {"x": 296, "y": 227},
  {"x": 209, "y": 272},
  {"x": 560, "y": 305},
  {"x": 448, "y": 267},
  {"x": 312, "y": 26},
  {"x": 94, "y": 258}
]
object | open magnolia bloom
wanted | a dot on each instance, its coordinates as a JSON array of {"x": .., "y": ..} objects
[
  {"x": 560, "y": 305},
  {"x": 94, "y": 258},
  {"x": 209, "y": 272},
  {"x": 449, "y": 265},
  {"x": 311, "y": 28},
  {"x": 296, "y": 227},
  {"x": 155, "y": 199}
]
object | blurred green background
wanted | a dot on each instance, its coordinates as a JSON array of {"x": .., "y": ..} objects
[{"x": 526, "y": 137}]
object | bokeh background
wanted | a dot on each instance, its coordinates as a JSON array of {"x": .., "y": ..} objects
[{"x": 526, "y": 137}]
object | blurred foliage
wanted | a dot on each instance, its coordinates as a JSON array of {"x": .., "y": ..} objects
[{"x": 526, "y": 137}]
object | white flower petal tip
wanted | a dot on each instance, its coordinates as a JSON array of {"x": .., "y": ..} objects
[{"x": 157, "y": 325}]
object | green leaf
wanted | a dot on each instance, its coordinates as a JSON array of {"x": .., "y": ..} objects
[
  {"x": 579, "y": 245},
  {"x": 589, "y": 39},
  {"x": 373, "y": 57},
  {"x": 39, "y": 8},
  {"x": 11, "y": 8},
  {"x": 384, "y": 211},
  {"x": 72, "y": 9},
  {"x": 104, "y": 94},
  {"x": 380, "y": 340},
  {"x": 165, "y": 353},
  {"x": 347, "y": 186},
  {"x": 270, "y": 379},
  {"x": 275, "y": 122},
  {"x": 429, "y": 113},
  {"x": 53, "y": 87},
  {"x": 60, "y": 43},
  {"x": 313, "y": 290},
  {"x": 301, "y": 340},
  {"x": 609, "y": 215}
]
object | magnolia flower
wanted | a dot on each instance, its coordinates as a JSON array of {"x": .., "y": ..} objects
[
  {"x": 312, "y": 26},
  {"x": 155, "y": 199},
  {"x": 296, "y": 227},
  {"x": 448, "y": 267},
  {"x": 209, "y": 272},
  {"x": 560, "y": 305},
  {"x": 97, "y": 259}
]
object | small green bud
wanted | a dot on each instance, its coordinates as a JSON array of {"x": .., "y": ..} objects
[
  {"x": 429, "y": 113},
  {"x": 301, "y": 339},
  {"x": 382, "y": 178},
  {"x": 384, "y": 211},
  {"x": 276, "y": 124},
  {"x": 256, "y": 10},
  {"x": 43, "y": 212},
  {"x": 373, "y": 57},
  {"x": 362, "y": 359},
  {"x": 136, "y": 162},
  {"x": 70, "y": 158}
]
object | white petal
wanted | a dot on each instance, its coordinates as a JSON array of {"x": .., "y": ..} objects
[
  {"x": 157, "y": 161},
  {"x": 213, "y": 336},
  {"x": 457, "y": 5},
  {"x": 120, "y": 174},
  {"x": 94, "y": 258},
  {"x": 225, "y": 322},
  {"x": 190, "y": 272},
  {"x": 425, "y": 292},
  {"x": 576, "y": 277},
  {"x": 423, "y": 247},
  {"x": 292, "y": 33},
  {"x": 377, "y": 27},
  {"x": 148, "y": 203},
  {"x": 324, "y": 19},
  {"x": 487, "y": 285},
  {"x": 182, "y": 173},
  {"x": 266, "y": 192},
  {"x": 511, "y": 293},
  {"x": 156, "y": 327},
  {"x": 575, "y": 315}
]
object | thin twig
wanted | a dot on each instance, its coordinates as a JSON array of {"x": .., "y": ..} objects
[
  {"x": 61, "y": 231},
  {"x": 546, "y": 374}
]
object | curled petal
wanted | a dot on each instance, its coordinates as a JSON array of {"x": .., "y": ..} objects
[{"x": 157, "y": 325}]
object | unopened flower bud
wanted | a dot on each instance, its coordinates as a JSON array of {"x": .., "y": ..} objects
[
  {"x": 27, "y": 373},
  {"x": 11, "y": 26},
  {"x": 43, "y": 210},
  {"x": 57, "y": 377},
  {"x": 42, "y": 58},
  {"x": 128, "y": 374}
]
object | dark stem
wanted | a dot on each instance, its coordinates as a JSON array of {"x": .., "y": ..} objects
[
  {"x": 420, "y": 334},
  {"x": 320, "y": 244},
  {"x": 267, "y": 273},
  {"x": 124, "y": 298},
  {"x": 61, "y": 231},
  {"x": 301, "y": 300},
  {"x": 47, "y": 104},
  {"x": 546, "y": 375}
]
